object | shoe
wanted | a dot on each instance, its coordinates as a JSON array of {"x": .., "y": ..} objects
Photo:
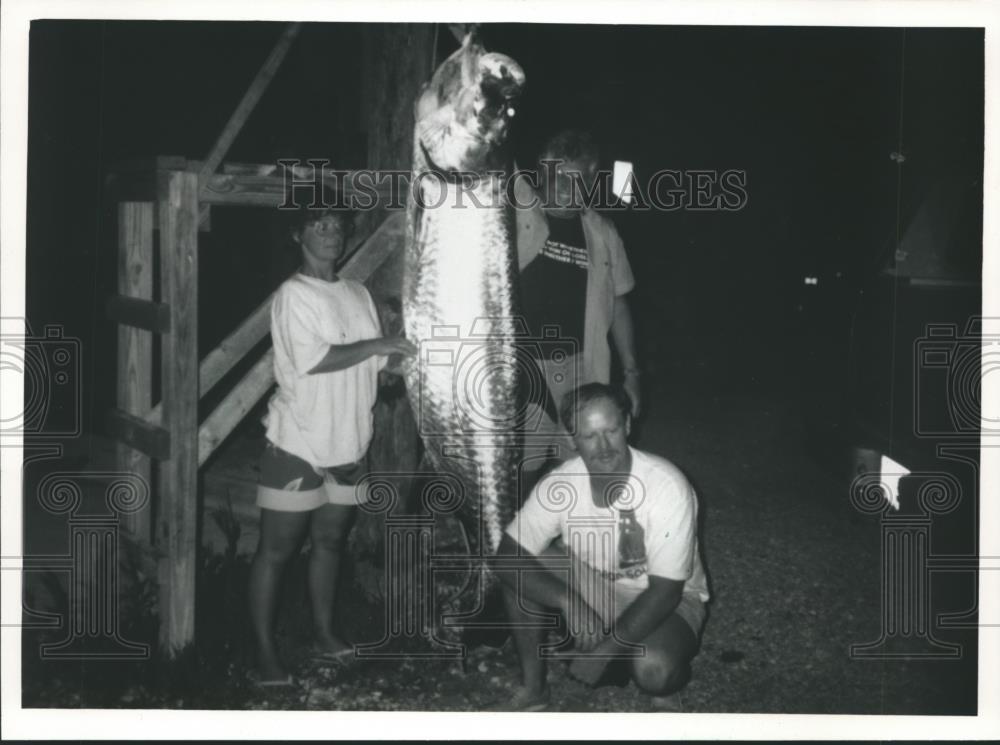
[
  {"x": 524, "y": 700},
  {"x": 672, "y": 703}
]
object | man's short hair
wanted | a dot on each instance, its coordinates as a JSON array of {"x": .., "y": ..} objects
[
  {"x": 579, "y": 397},
  {"x": 572, "y": 145}
]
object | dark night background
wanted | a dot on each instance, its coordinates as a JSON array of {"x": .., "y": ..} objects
[
  {"x": 724, "y": 317},
  {"x": 810, "y": 114}
]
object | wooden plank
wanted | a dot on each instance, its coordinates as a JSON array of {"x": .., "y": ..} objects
[
  {"x": 247, "y": 184},
  {"x": 249, "y": 101},
  {"x": 135, "y": 347},
  {"x": 269, "y": 189},
  {"x": 177, "y": 513},
  {"x": 233, "y": 348},
  {"x": 397, "y": 61},
  {"x": 236, "y": 405},
  {"x": 142, "y": 314},
  {"x": 138, "y": 434}
]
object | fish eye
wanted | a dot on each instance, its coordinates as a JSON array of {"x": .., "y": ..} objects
[{"x": 510, "y": 111}]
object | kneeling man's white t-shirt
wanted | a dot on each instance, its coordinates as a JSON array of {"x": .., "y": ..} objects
[{"x": 662, "y": 503}]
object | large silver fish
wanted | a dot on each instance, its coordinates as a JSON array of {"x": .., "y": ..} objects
[{"x": 459, "y": 287}]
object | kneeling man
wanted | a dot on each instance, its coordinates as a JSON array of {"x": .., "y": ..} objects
[{"x": 609, "y": 540}]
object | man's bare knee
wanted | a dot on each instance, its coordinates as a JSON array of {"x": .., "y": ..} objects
[{"x": 658, "y": 673}]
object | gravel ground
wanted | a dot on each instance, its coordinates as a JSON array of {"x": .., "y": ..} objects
[{"x": 794, "y": 573}]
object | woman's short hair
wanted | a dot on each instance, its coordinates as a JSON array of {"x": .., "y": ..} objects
[
  {"x": 301, "y": 217},
  {"x": 579, "y": 397}
]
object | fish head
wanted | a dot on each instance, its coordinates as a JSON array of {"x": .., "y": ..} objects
[
  {"x": 497, "y": 94},
  {"x": 464, "y": 114}
]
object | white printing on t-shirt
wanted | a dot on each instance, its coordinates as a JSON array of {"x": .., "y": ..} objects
[{"x": 324, "y": 418}]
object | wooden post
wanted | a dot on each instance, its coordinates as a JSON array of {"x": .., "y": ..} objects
[
  {"x": 177, "y": 509},
  {"x": 135, "y": 346},
  {"x": 397, "y": 62}
]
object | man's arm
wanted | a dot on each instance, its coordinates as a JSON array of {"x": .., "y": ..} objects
[
  {"x": 538, "y": 583},
  {"x": 649, "y": 610},
  {"x": 543, "y": 586},
  {"x": 623, "y": 335}
]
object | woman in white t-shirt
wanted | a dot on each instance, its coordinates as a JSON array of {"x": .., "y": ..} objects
[{"x": 328, "y": 350}]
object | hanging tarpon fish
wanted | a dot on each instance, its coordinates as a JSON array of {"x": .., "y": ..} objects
[{"x": 459, "y": 290}]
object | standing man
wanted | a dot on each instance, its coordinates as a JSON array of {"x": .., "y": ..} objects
[
  {"x": 574, "y": 276},
  {"x": 608, "y": 539}
]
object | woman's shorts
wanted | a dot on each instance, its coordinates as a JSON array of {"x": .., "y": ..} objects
[{"x": 290, "y": 484}]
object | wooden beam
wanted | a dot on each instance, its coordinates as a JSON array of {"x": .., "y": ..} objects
[
  {"x": 135, "y": 347},
  {"x": 177, "y": 513},
  {"x": 248, "y": 102},
  {"x": 138, "y": 434},
  {"x": 269, "y": 189},
  {"x": 233, "y": 348},
  {"x": 248, "y": 184},
  {"x": 236, "y": 405},
  {"x": 397, "y": 62},
  {"x": 142, "y": 314}
]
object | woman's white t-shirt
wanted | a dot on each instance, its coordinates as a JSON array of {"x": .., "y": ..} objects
[{"x": 324, "y": 418}]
